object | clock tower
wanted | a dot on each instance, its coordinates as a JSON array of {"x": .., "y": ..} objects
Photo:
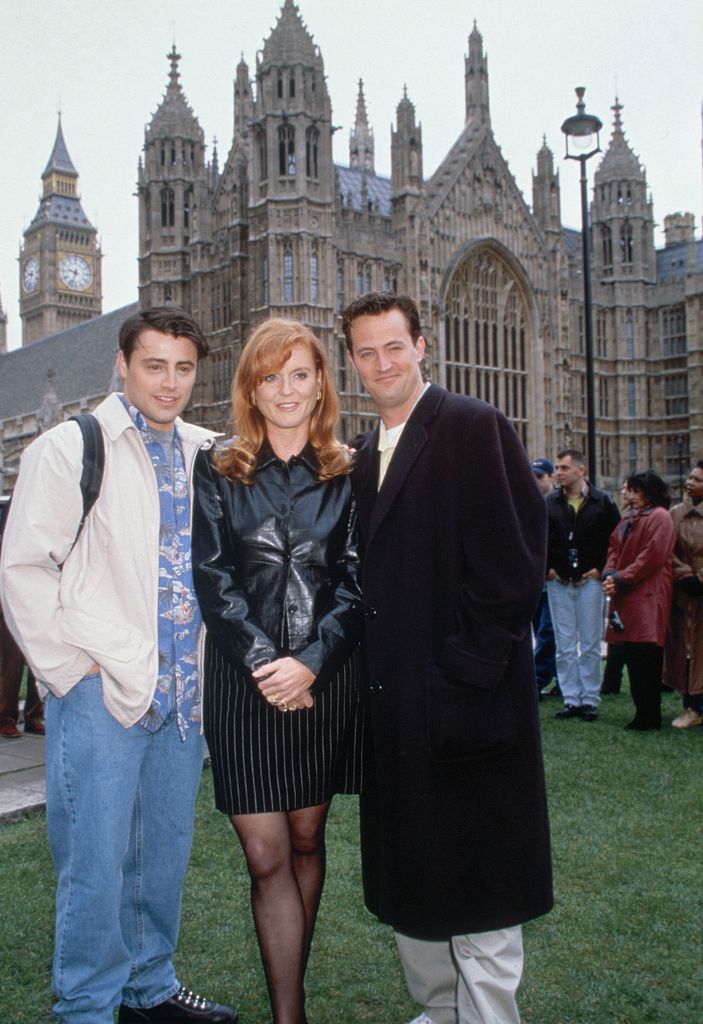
[{"x": 60, "y": 281}]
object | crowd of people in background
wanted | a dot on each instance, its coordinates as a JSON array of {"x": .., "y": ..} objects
[{"x": 632, "y": 579}]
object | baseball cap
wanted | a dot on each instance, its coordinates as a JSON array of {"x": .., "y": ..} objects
[{"x": 543, "y": 467}]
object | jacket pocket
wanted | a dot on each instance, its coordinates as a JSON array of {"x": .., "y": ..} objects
[{"x": 467, "y": 720}]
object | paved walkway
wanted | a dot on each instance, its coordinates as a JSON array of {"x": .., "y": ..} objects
[{"x": 22, "y": 788}]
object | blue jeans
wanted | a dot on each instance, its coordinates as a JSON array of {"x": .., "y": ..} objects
[
  {"x": 120, "y": 805},
  {"x": 544, "y": 652},
  {"x": 577, "y": 617}
]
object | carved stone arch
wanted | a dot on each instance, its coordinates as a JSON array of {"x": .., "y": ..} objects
[{"x": 490, "y": 339}]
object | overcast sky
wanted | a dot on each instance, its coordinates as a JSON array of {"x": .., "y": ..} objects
[{"x": 104, "y": 62}]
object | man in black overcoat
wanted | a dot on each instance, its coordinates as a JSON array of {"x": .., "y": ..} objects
[{"x": 455, "y": 838}]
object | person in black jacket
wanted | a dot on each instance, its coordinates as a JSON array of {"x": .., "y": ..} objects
[
  {"x": 581, "y": 519},
  {"x": 454, "y": 830},
  {"x": 276, "y": 567}
]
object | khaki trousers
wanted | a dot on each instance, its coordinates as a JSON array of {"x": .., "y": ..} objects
[{"x": 469, "y": 979}]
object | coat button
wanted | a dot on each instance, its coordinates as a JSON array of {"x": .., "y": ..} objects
[
  {"x": 375, "y": 686},
  {"x": 292, "y": 607},
  {"x": 370, "y": 612}
]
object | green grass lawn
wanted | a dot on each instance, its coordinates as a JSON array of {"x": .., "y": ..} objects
[{"x": 623, "y": 945}]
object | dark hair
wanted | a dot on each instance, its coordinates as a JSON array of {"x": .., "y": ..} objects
[
  {"x": 652, "y": 486},
  {"x": 375, "y": 303},
  {"x": 166, "y": 320},
  {"x": 575, "y": 454}
]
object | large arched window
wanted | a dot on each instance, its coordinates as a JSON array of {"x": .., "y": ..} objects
[{"x": 486, "y": 336}]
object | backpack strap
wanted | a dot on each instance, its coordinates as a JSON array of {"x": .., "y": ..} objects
[{"x": 93, "y": 463}]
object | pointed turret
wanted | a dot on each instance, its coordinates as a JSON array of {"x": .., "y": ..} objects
[
  {"x": 174, "y": 115},
  {"x": 361, "y": 144},
  {"x": 289, "y": 42},
  {"x": 243, "y": 106},
  {"x": 406, "y": 148},
  {"x": 290, "y": 161},
  {"x": 476, "y": 80},
  {"x": 622, "y": 215},
  {"x": 546, "y": 196},
  {"x": 173, "y": 185}
]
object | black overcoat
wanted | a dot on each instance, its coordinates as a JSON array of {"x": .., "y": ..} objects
[{"x": 455, "y": 835}]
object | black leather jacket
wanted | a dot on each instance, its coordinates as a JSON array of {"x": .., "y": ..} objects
[{"x": 276, "y": 563}]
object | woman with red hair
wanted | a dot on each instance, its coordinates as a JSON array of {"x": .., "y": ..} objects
[{"x": 276, "y": 564}]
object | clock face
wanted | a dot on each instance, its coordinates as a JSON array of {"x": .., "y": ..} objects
[
  {"x": 30, "y": 274},
  {"x": 75, "y": 273}
]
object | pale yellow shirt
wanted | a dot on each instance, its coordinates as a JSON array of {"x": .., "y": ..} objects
[{"x": 388, "y": 439}]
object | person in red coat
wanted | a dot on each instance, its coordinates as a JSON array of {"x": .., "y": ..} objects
[{"x": 638, "y": 580}]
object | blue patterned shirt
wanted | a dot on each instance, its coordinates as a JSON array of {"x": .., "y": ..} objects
[{"x": 179, "y": 615}]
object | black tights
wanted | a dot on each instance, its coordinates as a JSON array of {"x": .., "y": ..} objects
[{"x": 285, "y": 854}]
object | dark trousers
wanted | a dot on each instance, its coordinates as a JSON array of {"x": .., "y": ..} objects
[
  {"x": 11, "y": 667},
  {"x": 644, "y": 667},
  {"x": 545, "y": 648},
  {"x": 614, "y": 664}
]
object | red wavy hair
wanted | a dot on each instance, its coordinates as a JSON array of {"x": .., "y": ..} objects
[{"x": 266, "y": 351}]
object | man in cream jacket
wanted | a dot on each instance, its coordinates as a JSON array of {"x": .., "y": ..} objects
[{"x": 109, "y": 624}]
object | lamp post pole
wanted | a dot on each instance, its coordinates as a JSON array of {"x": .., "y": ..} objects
[{"x": 582, "y": 129}]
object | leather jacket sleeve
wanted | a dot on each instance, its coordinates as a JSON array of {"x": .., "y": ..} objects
[
  {"x": 224, "y": 607},
  {"x": 340, "y": 627}
]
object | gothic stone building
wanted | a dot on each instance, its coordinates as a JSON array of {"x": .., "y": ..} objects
[{"x": 282, "y": 230}]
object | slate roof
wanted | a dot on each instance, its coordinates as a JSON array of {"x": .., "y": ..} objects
[
  {"x": 379, "y": 189},
  {"x": 82, "y": 359},
  {"x": 672, "y": 262},
  {"x": 572, "y": 238},
  {"x": 67, "y": 210}
]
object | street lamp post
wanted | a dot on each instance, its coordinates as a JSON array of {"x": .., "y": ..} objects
[{"x": 582, "y": 131}]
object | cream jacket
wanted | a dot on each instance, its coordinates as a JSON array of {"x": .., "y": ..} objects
[{"x": 102, "y": 606}]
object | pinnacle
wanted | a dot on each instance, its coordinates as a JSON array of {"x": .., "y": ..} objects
[{"x": 59, "y": 159}]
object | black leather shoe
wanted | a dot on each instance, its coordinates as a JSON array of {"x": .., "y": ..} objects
[
  {"x": 589, "y": 713},
  {"x": 568, "y": 711},
  {"x": 182, "y": 1008}
]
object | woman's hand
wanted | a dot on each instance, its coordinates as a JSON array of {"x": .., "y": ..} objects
[
  {"x": 285, "y": 683},
  {"x": 609, "y": 587}
]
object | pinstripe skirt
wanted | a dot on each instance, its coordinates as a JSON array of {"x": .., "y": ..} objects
[{"x": 264, "y": 759}]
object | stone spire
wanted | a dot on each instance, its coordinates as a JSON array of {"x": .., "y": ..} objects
[
  {"x": 361, "y": 145},
  {"x": 406, "y": 148},
  {"x": 243, "y": 105},
  {"x": 546, "y": 198},
  {"x": 174, "y": 116},
  {"x": 476, "y": 81},
  {"x": 290, "y": 42},
  {"x": 619, "y": 161},
  {"x": 622, "y": 217}
]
